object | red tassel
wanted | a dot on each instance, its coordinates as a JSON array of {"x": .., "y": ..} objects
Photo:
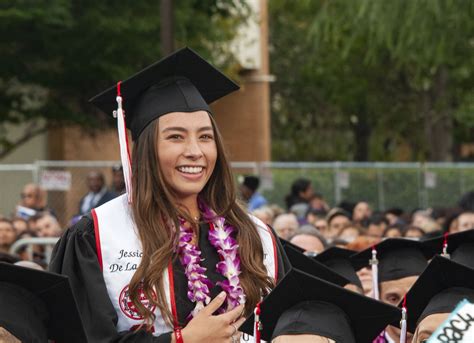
[
  {"x": 257, "y": 324},
  {"x": 445, "y": 246}
]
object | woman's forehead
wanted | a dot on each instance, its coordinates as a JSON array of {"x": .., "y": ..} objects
[{"x": 186, "y": 120}]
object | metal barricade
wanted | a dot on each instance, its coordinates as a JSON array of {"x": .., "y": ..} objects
[{"x": 47, "y": 242}]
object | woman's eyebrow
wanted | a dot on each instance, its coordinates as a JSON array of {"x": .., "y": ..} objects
[{"x": 182, "y": 129}]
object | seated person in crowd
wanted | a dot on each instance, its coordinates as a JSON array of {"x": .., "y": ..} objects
[
  {"x": 7, "y": 235},
  {"x": 48, "y": 226},
  {"x": 310, "y": 239},
  {"x": 304, "y": 308},
  {"x": 362, "y": 211},
  {"x": 337, "y": 219},
  {"x": 265, "y": 214},
  {"x": 413, "y": 232},
  {"x": 285, "y": 225},
  {"x": 376, "y": 225}
]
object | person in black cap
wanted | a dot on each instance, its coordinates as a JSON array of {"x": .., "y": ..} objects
[
  {"x": 36, "y": 306},
  {"x": 303, "y": 307},
  {"x": 146, "y": 265},
  {"x": 457, "y": 246},
  {"x": 338, "y": 259},
  {"x": 248, "y": 189},
  {"x": 396, "y": 264},
  {"x": 308, "y": 265},
  {"x": 436, "y": 293}
]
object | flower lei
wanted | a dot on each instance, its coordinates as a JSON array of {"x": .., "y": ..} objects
[{"x": 221, "y": 238}]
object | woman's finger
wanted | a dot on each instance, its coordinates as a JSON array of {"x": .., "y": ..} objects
[
  {"x": 214, "y": 305},
  {"x": 232, "y": 315}
]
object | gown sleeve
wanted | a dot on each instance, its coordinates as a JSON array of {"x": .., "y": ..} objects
[{"x": 75, "y": 256}]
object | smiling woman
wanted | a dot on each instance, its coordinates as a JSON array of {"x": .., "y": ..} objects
[{"x": 200, "y": 263}]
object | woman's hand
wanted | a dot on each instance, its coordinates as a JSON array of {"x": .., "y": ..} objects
[
  {"x": 205, "y": 327},
  {"x": 7, "y": 337}
]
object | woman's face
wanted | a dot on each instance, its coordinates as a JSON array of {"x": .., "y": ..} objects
[{"x": 187, "y": 152}]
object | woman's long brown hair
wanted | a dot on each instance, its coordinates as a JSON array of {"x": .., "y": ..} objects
[{"x": 153, "y": 210}]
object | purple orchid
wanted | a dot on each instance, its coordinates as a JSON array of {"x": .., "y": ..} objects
[{"x": 221, "y": 237}]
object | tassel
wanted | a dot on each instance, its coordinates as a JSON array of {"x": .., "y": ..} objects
[
  {"x": 445, "y": 246},
  {"x": 403, "y": 322},
  {"x": 257, "y": 328},
  {"x": 123, "y": 142},
  {"x": 375, "y": 274}
]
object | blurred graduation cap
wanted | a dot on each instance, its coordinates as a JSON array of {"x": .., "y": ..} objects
[
  {"x": 439, "y": 289},
  {"x": 304, "y": 304},
  {"x": 180, "y": 82},
  {"x": 338, "y": 259},
  {"x": 457, "y": 246},
  {"x": 308, "y": 265},
  {"x": 393, "y": 259},
  {"x": 36, "y": 306},
  {"x": 285, "y": 243}
]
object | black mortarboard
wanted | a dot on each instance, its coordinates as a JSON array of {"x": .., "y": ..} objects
[
  {"x": 180, "y": 82},
  {"x": 338, "y": 259},
  {"x": 36, "y": 305},
  {"x": 439, "y": 289},
  {"x": 304, "y": 304},
  {"x": 307, "y": 264},
  {"x": 459, "y": 246},
  {"x": 285, "y": 243},
  {"x": 397, "y": 258}
]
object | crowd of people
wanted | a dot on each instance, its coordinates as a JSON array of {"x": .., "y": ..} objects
[
  {"x": 177, "y": 258},
  {"x": 33, "y": 218}
]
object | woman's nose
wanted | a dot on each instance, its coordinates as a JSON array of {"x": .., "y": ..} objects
[{"x": 193, "y": 149}]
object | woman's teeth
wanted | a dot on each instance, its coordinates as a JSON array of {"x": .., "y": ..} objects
[{"x": 190, "y": 170}]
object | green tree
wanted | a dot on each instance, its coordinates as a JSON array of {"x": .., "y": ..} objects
[
  {"x": 56, "y": 54},
  {"x": 390, "y": 73}
]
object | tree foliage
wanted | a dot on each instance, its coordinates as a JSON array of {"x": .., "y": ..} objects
[
  {"x": 376, "y": 77},
  {"x": 56, "y": 54}
]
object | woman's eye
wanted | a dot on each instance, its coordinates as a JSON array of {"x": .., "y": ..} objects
[
  {"x": 207, "y": 137},
  {"x": 175, "y": 137}
]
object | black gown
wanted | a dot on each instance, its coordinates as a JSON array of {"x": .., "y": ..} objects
[{"x": 75, "y": 256}]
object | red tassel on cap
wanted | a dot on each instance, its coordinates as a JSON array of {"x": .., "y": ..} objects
[
  {"x": 445, "y": 246},
  {"x": 123, "y": 142},
  {"x": 403, "y": 322},
  {"x": 257, "y": 328}
]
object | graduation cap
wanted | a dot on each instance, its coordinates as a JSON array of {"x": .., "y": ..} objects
[
  {"x": 393, "y": 259},
  {"x": 338, "y": 259},
  {"x": 36, "y": 306},
  {"x": 439, "y": 289},
  {"x": 180, "y": 82},
  {"x": 304, "y": 304},
  {"x": 285, "y": 243},
  {"x": 302, "y": 262},
  {"x": 457, "y": 246}
]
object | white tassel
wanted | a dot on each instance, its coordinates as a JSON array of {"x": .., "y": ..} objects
[
  {"x": 124, "y": 151},
  {"x": 403, "y": 326},
  {"x": 375, "y": 274}
]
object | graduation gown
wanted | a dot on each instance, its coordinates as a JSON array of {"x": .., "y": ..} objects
[{"x": 75, "y": 255}]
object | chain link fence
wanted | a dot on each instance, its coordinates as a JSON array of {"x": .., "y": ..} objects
[{"x": 383, "y": 185}]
